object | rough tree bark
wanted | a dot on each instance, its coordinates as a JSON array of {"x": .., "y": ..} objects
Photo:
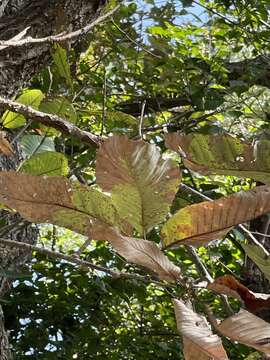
[{"x": 38, "y": 18}]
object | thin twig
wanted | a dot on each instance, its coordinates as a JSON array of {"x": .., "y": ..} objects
[
  {"x": 59, "y": 37},
  {"x": 133, "y": 41},
  {"x": 104, "y": 103},
  {"x": 141, "y": 118},
  {"x": 78, "y": 261},
  {"x": 203, "y": 270}
]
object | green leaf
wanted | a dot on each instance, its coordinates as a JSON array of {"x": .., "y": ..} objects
[
  {"x": 35, "y": 144},
  {"x": 62, "y": 64},
  {"x": 33, "y": 98},
  {"x": 58, "y": 106},
  {"x": 142, "y": 184},
  {"x": 46, "y": 163},
  {"x": 223, "y": 154},
  {"x": 257, "y": 255}
]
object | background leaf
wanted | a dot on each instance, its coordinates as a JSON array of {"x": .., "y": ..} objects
[
  {"x": 61, "y": 63},
  {"x": 46, "y": 163},
  {"x": 32, "y": 98},
  {"x": 256, "y": 254},
  {"x": 223, "y": 154},
  {"x": 35, "y": 144}
]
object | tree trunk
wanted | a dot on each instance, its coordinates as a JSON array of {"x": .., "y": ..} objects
[{"x": 18, "y": 65}]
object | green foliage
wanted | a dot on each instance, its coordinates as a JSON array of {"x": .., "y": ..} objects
[
  {"x": 46, "y": 163},
  {"x": 61, "y": 63}
]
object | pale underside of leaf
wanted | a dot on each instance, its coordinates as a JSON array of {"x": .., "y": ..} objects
[
  {"x": 248, "y": 329},
  {"x": 138, "y": 251},
  {"x": 142, "y": 184},
  {"x": 200, "y": 223},
  {"x": 222, "y": 154},
  {"x": 199, "y": 341}
]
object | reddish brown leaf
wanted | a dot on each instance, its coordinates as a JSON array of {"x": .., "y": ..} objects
[
  {"x": 248, "y": 329},
  {"x": 230, "y": 286}
]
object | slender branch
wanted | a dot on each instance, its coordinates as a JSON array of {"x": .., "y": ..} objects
[
  {"x": 141, "y": 118},
  {"x": 59, "y": 37},
  {"x": 78, "y": 261},
  {"x": 53, "y": 121},
  {"x": 199, "y": 264},
  {"x": 203, "y": 270}
]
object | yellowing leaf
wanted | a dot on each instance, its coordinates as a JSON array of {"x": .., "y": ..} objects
[
  {"x": 200, "y": 223},
  {"x": 142, "y": 184},
  {"x": 199, "y": 341},
  {"x": 248, "y": 329},
  {"x": 14, "y": 120},
  {"x": 223, "y": 154}
]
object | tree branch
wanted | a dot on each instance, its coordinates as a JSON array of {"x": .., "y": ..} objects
[
  {"x": 78, "y": 261},
  {"x": 59, "y": 37},
  {"x": 53, "y": 121}
]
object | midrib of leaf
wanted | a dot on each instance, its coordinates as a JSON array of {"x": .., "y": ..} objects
[{"x": 140, "y": 191}]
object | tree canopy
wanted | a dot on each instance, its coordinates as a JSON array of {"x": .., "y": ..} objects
[{"x": 142, "y": 154}]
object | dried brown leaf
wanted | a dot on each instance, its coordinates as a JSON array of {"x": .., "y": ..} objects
[
  {"x": 58, "y": 201},
  {"x": 141, "y": 252},
  {"x": 199, "y": 341},
  {"x": 5, "y": 146},
  {"x": 248, "y": 329}
]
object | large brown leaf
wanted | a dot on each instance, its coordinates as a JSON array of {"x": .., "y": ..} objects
[
  {"x": 58, "y": 201},
  {"x": 223, "y": 154},
  {"x": 248, "y": 329},
  {"x": 142, "y": 184},
  {"x": 200, "y": 223},
  {"x": 199, "y": 341}
]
